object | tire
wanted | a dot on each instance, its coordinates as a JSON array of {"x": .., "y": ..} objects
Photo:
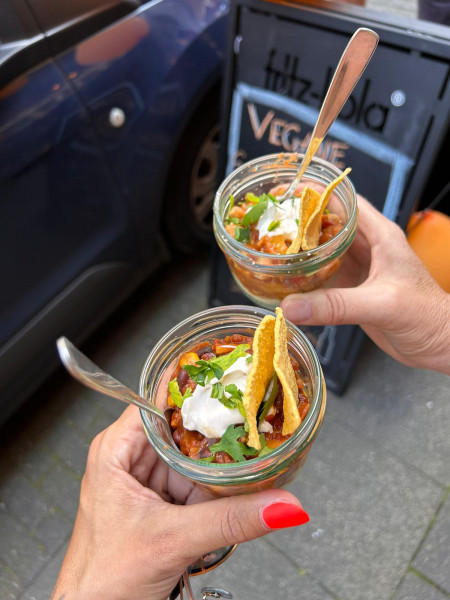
[{"x": 189, "y": 196}]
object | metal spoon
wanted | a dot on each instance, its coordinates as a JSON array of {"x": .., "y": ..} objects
[
  {"x": 354, "y": 60},
  {"x": 88, "y": 373}
]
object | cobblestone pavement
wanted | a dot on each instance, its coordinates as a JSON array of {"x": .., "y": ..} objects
[{"x": 375, "y": 484}]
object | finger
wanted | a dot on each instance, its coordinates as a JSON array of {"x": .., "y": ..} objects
[
  {"x": 128, "y": 429},
  {"x": 125, "y": 445},
  {"x": 130, "y": 419},
  {"x": 361, "y": 305},
  {"x": 373, "y": 225},
  {"x": 210, "y": 525}
]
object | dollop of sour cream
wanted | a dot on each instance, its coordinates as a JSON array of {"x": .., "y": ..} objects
[
  {"x": 208, "y": 415},
  {"x": 287, "y": 214}
]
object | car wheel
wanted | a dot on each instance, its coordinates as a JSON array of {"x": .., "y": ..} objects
[{"x": 193, "y": 182}]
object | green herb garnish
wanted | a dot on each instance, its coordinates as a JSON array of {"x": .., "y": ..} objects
[
  {"x": 253, "y": 215},
  {"x": 234, "y": 220},
  {"x": 217, "y": 390},
  {"x": 242, "y": 234},
  {"x": 229, "y": 443},
  {"x": 273, "y": 225},
  {"x": 205, "y": 370},
  {"x": 269, "y": 399},
  {"x": 250, "y": 197},
  {"x": 264, "y": 451},
  {"x": 207, "y": 459},
  {"x": 234, "y": 400},
  {"x": 226, "y": 360},
  {"x": 175, "y": 394},
  {"x": 230, "y": 206}
]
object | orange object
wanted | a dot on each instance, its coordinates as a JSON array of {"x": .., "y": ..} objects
[
  {"x": 112, "y": 43},
  {"x": 189, "y": 358},
  {"x": 428, "y": 234}
]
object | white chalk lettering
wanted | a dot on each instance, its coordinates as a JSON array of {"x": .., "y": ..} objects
[{"x": 259, "y": 128}]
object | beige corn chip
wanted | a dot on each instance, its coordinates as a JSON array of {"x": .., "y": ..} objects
[
  {"x": 308, "y": 202},
  {"x": 311, "y": 231},
  {"x": 286, "y": 375},
  {"x": 260, "y": 375}
]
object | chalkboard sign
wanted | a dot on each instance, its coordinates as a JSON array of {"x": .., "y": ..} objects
[{"x": 280, "y": 60}]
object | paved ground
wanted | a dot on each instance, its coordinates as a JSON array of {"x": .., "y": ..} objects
[{"x": 375, "y": 484}]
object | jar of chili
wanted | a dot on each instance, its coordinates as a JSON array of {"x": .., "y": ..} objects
[
  {"x": 263, "y": 270},
  {"x": 274, "y": 469}
]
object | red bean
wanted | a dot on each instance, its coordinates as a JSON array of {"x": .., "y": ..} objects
[
  {"x": 176, "y": 436},
  {"x": 182, "y": 378},
  {"x": 203, "y": 350}
]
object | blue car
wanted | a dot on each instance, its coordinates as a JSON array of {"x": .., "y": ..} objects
[{"x": 108, "y": 150}]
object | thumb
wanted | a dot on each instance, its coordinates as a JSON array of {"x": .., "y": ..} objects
[
  {"x": 336, "y": 306},
  {"x": 210, "y": 525}
]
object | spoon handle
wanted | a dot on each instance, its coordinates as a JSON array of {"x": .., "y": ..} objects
[
  {"x": 88, "y": 373},
  {"x": 354, "y": 60}
]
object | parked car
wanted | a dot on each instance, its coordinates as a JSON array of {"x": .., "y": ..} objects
[{"x": 108, "y": 149}]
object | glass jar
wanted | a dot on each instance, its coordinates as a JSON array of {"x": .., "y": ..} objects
[
  {"x": 272, "y": 470},
  {"x": 267, "y": 278}
]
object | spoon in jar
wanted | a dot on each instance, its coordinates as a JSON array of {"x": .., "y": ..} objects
[
  {"x": 351, "y": 66},
  {"x": 89, "y": 374}
]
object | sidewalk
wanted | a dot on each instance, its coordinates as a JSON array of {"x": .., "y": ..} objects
[{"x": 375, "y": 483}]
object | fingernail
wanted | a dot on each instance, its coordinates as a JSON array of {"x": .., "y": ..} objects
[
  {"x": 283, "y": 514},
  {"x": 297, "y": 310}
]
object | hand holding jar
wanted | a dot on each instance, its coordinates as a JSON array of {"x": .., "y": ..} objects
[
  {"x": 276, "y": 248},
  {"x": 384, "y": 287},
  {"x": 140, "y": 524}
]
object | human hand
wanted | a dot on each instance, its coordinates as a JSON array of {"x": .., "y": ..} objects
[
  {"x": 139, "y": 524},
  {"x": 384, "y": 288}
]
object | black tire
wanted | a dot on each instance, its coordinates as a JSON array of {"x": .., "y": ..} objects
[{"x": 189, "y": 196}]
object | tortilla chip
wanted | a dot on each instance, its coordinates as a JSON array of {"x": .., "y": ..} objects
[
  {"x": 308, "y": 202},
  {"x": 286, "y": 375},
  {"x": 260, "y": 375},
  {"x": 311, "y": 231}
]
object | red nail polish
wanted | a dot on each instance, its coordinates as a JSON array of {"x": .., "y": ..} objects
[{"x": 283, "y": 514}]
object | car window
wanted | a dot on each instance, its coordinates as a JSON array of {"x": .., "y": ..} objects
[
  {"x": 52, "y": 14},
  {"x": 21, "y": 41},
  {"x": 16, "y": 23}
]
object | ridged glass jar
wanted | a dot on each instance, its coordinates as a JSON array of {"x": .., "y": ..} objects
[
  {"x": 272, "y": 470},
  {"x": 267, "y": 278}
]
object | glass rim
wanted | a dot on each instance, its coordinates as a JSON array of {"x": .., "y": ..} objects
[
  {"x": 305, "y": 257},
  {"x": 224, "y": 474}
]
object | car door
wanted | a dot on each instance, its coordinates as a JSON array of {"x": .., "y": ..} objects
[{"x": 68, "y": 248}]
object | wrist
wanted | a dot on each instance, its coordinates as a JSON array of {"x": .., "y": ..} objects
[
  {"x": 76, "y": 580},
  {"x": 439, "y": 358},
  {"x": 443, "y": 349},
  {"x": 67, "y": 589}
]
